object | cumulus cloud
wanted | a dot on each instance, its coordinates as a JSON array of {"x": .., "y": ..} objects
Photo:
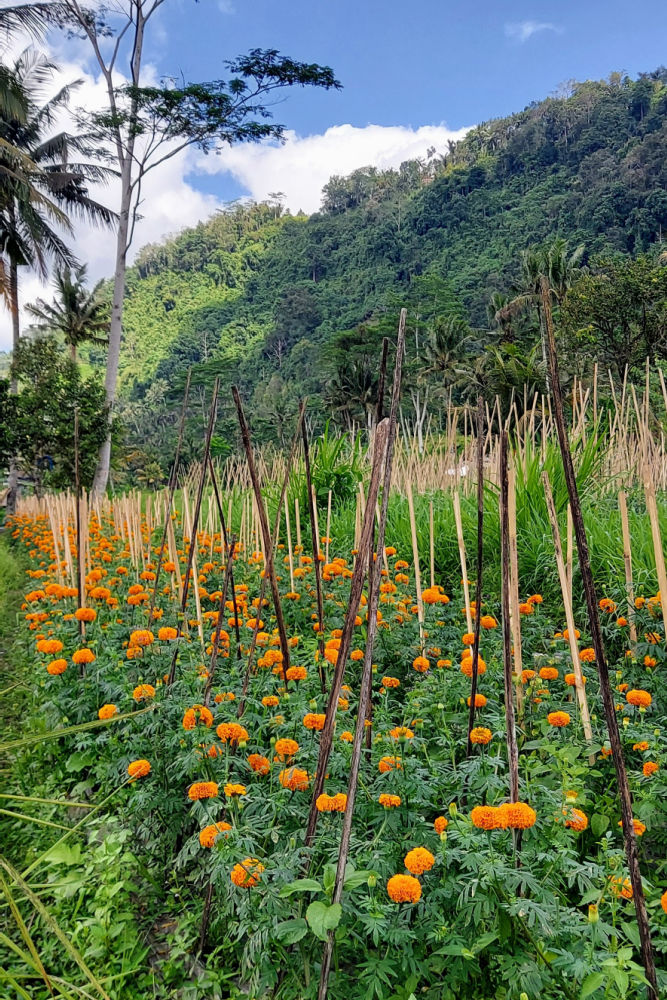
[
  {"x": 521, "y": 31},
  {"x": 171, "y": 199},
  {"x": 301, "y": 166}
]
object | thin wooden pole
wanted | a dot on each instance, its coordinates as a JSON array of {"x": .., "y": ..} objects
[
  {"x": 596, "y": 635},
  {"x": 269, "y": 567},
  {"x": 627, "y": 561},
  {"x": 312, "y": 511},
  {"x": 510, "y": 728},
  {"x": 194, "y": 527},
  {"x": 652, "y": 508},
  {"x": 415, "y": 559},
  {"x": 515, "y": 614},
  {"x": 569, "y": 613},
  {"x": 480, "y": 559},
  {"x": 456, "y": 501},
  {"x": 431, "y": 547}
]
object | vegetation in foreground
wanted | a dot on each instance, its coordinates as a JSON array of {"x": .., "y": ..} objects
[{"x": 444, "y": 897}]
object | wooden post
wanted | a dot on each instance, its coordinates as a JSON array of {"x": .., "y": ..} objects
[
  {"x": 596, "y": 635},
  {"x": 312, "y": 510},
  {"x": 480, "y": 559},
  {"x": 652, "y": 508},
  {"x": 456, "y": 500},
  {"x": 627, "y": 560},
  {"x": 569, "y": 613},
  {"x": 515, "y": 614},
  {"x": 289, "y": 545},
  {"x": 510, "y": 728},
  {"x": 415, "y": 559},
  {"x": 431, "y": 547}
]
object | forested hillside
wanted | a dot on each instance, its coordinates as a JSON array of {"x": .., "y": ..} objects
[{"x": 292, "y": 305}]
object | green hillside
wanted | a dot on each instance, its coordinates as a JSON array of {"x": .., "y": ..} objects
[{"x": 283, "y": 304}]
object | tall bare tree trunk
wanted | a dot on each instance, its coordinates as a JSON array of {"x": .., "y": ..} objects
[{"x": 13, "y": 481}]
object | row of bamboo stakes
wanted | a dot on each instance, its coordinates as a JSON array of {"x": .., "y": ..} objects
[{"x": 135, "y": 517}]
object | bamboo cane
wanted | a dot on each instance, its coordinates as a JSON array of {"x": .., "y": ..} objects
[
  {"x": 627, "y": 561},
  {"x": 652, "y": 508},
  {"x": 510, "y": 728}
]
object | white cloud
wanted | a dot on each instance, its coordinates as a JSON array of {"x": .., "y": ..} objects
[
  {"x": 299, "y": 168},
  {"x": 303, "y": 164},
  {"x": 521, "y": 31}
]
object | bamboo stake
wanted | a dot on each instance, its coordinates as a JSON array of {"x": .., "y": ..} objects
[
  {"x": 569, "y": 552},
  {"x": 569, "y": 613},
  {"x": 326, "y": 554},
  {"x": 456, "y": 500},
  {"x": 194, "y": 569},
  {"x": 415, "y": 559},
  {"x": 510, "y": 728},
  {"x": 627, "y": 561},
  {"x": 515, "y": 614},
  {"x": 478, "y": 581},
  {"x": 297, "y": 518},
  {"x": 431, "y": 546},
  {"x": 289, "y": 546},
  {"x": 193, "y": 531},
  {"x": 596, "y": 635},
  {"x": 312, "y": 511},
  {"x": 652, "y": 508}
]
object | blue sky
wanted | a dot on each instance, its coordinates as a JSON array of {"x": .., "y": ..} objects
[{"x": 414, "y": 75}]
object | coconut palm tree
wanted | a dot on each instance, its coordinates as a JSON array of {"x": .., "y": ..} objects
[{"x": 77, "y": 312}]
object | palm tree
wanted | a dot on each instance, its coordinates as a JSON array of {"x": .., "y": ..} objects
[
  {"x": 39, "y": 183},
  {"x": 78, "y": 313}
]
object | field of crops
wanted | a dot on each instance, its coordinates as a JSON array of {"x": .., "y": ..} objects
[{"x": 161, "y": 781}]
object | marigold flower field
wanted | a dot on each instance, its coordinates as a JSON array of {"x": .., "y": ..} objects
[{"x": 451, "y": 889}]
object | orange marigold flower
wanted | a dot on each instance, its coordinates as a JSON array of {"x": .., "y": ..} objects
[
  {"x": 526, "y": 608},
  {"x": 576, "y": 819},
  {"x": 207, "y": 836},
  {"x": 481, "y": 735},
  {"x": 357, "y": 654},
  {"x": 663, "y": 901},
  {"x": 259, "y": 764},
  {"x": 418, "y": 861},
  {"x": 198, "y": 714},
  {"x": 107, "y": 712},
  {"x": 143, "y": 691},
  {"x": 548, "y": 673},
  {"x": 203, "y": 790},
  {"x": 294, "y": 778},
  {"x": 649, "y": 768},
  {"x": 517, "y": 815},
  {"x": 587, "y": 655},
  {"x": 347, "y": 736},
  {"x": 247, "y": 873},
  {"x": 642, "y": 745},
  {"x": 527, "y": 675},
  {"x": 232, "y": 789},
  {"x": 389, "y": 801},
  {"x": 637, "y": 826},
  {"x": 440, "y": 824},
  {"x": 638, "y": 697},
  {"x": 167, "y": 632},
  {"x": 331, "y": 803},
  {"x": 621, "y": 887},
  {"x": 535, "y": 599},
  {"x": 83, "y": 656},
  {"x": 270, "y": 701},
  {"x": 488, "y": 621},
  {"x": 141, "y": 637},
  {"x": 404, "y": 889},
  {"x": 314, "y": 721},
  {"x": 139, "y": 768},
  {"x": 421, "y": 664},
  {"x": 390, "y": 682},
  {"x": 232, "y": 732},
  {"x": 486, "y": 818},
  {"x": 621, "y": 621},
  {"x": 49, "y": 646},
  {"x": 571, "y": 680},
  {"x": 466, "y": 666},
  {"x": 85, "y": 614},
  {"x": 606, "y": 604},
  {"x": 480, "y": 700},
  {"x": 56, "y": 667},
  {"x": 401, "y": 732},
  {"x": 100, "y": 593},
  {"x": 387, "y": 764},
  {"x": 296, "y": 674},
  {"x": 558, "y": 719},
  {"x": 286, "y": 748}
]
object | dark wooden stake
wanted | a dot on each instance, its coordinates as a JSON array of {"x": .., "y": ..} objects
[
  {"x": 596, "y": 636},
  {"x": 374, "y": 576},
  {"x": 510, "y": 728},
  {"x": 195, "y": 526},
  {"x": 173, "y": 479},
  {"x": 356, "y": 587},
  {"x": 225, "y": 538},
  {"x": 480, "y": 558}
]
